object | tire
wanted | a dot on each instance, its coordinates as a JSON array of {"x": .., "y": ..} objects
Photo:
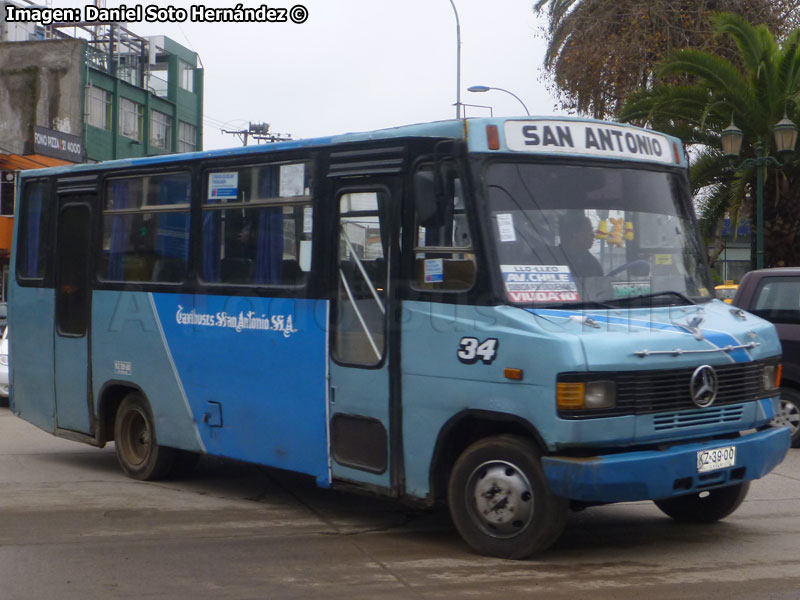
[
  {"x": 789, "y": 414},
  {"x": 707, "y": 506},
  {"x": 136, "y": 443},
  {"x": 500, "y": 501}
]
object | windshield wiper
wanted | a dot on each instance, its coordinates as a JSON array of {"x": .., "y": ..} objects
[
  {"x": 578, "y": 305},
  {"x": 683, "y": 297}
]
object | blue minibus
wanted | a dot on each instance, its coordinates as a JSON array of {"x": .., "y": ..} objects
[{"x": 513, "y": 317}]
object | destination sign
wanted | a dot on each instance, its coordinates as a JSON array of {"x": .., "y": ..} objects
[{"x": 596, "y": 139}]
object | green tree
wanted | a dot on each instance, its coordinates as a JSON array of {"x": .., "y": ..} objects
[
  {"x": 601, "y": 51},
  {"x": 755, "y": 88}
]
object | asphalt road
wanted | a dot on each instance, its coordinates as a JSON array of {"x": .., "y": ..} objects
[{"x": 73, "y": 527}]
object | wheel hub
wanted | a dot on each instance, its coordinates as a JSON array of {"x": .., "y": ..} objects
[
  {"x": 502, "y": 499},
  {"x": 788, "y": 415}
]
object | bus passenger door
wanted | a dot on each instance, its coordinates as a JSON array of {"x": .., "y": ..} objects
[
  {"x": 360, "y": 340},
  {"x": 73, "y": 313}
]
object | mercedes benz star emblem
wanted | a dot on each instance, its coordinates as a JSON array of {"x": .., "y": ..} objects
[{"x": 703, "y": 386}]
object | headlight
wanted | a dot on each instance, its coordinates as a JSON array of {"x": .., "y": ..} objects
[
  {"x": 586, "y": 395},
  {"x": 4, "y": 359},
  {"x": 771, "y": 376}
]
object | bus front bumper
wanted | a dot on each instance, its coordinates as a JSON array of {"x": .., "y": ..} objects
[{"x": 652, "y": 474}]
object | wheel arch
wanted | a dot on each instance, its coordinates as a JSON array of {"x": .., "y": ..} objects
[
  {"x": 110, "y": 397},
  {"x": 466, "y": 428}
]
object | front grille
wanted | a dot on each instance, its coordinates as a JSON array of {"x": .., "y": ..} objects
[
  {"x": 647, "y": 392},
  {"x": 707, "y": 416}
]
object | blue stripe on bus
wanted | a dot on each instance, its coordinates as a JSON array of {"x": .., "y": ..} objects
[{"x": 718, "y": 339}]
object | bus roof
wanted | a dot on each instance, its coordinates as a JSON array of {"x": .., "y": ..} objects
[{"x": 530, "y": 135}]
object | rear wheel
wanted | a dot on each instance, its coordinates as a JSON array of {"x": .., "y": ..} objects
[
  {"x": 499, "y": 499},
  {"x": 789, "y": 414},
  {"x": 136, "y": 444},
  {"x": 706, "y": 506}
]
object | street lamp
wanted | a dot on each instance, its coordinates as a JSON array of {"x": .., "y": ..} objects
[
  {"x": 486, "y": 88},
  {"x": 785, "y": 134},
  {"x": 458, "y": 61}
]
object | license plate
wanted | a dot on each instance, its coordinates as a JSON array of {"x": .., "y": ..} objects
[{"x": 718, "y": 458}]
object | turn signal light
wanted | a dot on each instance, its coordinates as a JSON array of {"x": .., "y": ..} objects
[
  {"x": 493, "y": 137},
  {"x": 676, "y": 153},
  {"x": 570, "y": 396},
  {"x": 588, "y": 395},
  {"x": 772, "y": 376}
]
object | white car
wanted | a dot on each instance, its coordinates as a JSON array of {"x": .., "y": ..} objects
[{"x": 4, "y": 364}]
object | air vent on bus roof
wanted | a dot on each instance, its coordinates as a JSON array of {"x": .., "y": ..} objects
[
  {"x": 372, "y": 161},
  {"x": 84, "y": 183}
]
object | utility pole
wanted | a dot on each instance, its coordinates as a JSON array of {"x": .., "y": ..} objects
[{"x": 259, "y": 132}]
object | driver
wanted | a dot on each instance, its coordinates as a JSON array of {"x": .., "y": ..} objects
[{"x": 576, "y": 238}]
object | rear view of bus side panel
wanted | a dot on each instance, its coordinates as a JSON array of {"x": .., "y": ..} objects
[
  {"x": 32, "y": 301},
  {"x": 128, "y": 350}
]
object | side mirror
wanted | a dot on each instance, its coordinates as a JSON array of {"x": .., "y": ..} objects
[{"x": 428, "y": 198}]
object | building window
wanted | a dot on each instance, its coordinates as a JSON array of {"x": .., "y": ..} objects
[
  {"x": 160, "y": 130},
  {"x": 98, "y": 108},
  {"x": 185, "y": 76},
  {"x": 130, "y": 119},
  {"x": 187, "y": 137}
]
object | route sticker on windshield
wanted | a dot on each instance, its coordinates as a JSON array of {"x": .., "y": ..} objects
[
  {"x": 505, "y": 226},
  {"x": 539, "y": 283},
  {"x": 626, "y": 289},
  {"x": 434, "y": 270}
]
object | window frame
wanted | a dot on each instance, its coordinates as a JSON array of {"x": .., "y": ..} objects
[
  {"x": 185, "y": 76},
  {"x": 156, "y": 209},
  {"x": 47, "y": 235},
  {"x": 771, "y": 313},
  {"x": 390, "y": 192},
  {"x": 105, "y": 101},
  {"x": 306, "y": 200},
  {"x": 136, "y": 110},
  {"x": 165, "y": 126},
  {"x": 185, "y": 145},
  {"x": 426, "y": 163}
]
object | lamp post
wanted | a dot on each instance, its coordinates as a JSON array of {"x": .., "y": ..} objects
[
  {"x": 785, "y": 134},
  {"x": 486, "y": 88},
  {"x": 458, "y": 62}
]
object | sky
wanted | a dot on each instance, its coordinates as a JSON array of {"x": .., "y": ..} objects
[{"x": 358, "y": 65}]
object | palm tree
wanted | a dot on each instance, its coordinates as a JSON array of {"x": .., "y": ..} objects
[
  {"x": 755, "y": 89},
  {"x": 601, "y": 51}
]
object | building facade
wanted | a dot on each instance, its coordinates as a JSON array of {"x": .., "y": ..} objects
[{"x": 89, "y": 92}]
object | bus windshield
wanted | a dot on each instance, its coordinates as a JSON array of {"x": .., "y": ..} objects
[{"x": 583, "y": 235}]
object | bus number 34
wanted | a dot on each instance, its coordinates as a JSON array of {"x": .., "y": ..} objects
[{"x": 471, "y": 350}]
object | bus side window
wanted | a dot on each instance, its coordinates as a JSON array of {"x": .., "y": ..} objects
[
  {"x": 146, "y": 228},
  {"x": 33, "y": 244},
  {"x": 360, "y": 330},
  {"x": 257, "y": 226},
  {"x": 444, "y": 258}
]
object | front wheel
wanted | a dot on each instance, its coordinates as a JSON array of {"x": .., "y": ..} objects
[
  {"x": 789, "y": 414},
  {"x": 500, "y": 501},
  {"x": 706, "y": 506},
  {"x": 135, "y": 441}
]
